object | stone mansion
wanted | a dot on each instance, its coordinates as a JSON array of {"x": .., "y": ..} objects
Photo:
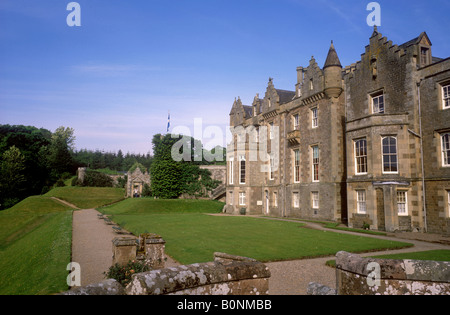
[{"x": 366, "y": 145}]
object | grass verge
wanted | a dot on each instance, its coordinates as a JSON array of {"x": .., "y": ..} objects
[
  {"x": 87, "y": 197},
  {"x": 193, "y": 237},
  {"x": 35, "y": 247}
]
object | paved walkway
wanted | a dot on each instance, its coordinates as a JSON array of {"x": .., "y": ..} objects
[{"x": 92, "y": 249}]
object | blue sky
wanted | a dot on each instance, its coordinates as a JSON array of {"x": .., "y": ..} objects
[{"x": 114, "y": 78}]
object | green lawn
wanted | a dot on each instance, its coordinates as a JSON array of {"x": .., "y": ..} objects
[
  {"x": 87, "y": 197},
  {"x": 192, "y": 236},
  {"x": 35, "y": 247}
]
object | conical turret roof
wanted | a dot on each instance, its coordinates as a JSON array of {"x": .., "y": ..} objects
[{"x": 332, "y": 58}]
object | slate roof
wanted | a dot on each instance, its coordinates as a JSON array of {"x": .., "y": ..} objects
[
  {"x": 285, "y": 96},
  {"x": 248, "y": 110},
  {"x": 415, "y": 41}
]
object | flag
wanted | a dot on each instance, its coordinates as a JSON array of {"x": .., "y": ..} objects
[{"x": 168, "y": 122}]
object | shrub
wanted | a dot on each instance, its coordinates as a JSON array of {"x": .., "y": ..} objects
[
  {"x": 123, "y": 274},
  {"x": 60, "y": 183},
  {"x": 97, "y": 179}
]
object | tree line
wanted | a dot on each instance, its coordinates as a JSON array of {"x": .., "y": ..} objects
[{"x": 34, "y": 159}]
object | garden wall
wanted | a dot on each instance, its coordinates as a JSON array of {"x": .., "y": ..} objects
[
  {"x": 356, "y": 275},
  {"x": 226, "y": 275}
]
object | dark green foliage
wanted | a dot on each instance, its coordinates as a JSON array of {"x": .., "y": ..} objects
[
  {"x": 109, "y": 160},
  {"x": 171, "y": 177},
  {"x": 147, "y": 191},
  {"x": 45, "y": 159},
  {"x": 166, "y": 179},
  {"x": 96, "y": 179},
  {"x": 122, "y": 274}
]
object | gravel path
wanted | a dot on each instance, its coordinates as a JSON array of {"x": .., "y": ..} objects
[
  {"x": 91, "y": 245},
  {"x": 92, "y": 249}
]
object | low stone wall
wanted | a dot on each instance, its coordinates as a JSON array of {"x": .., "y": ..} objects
[
  {"x": 356, "y": 275},
  {"x": 226, "y": 275}
]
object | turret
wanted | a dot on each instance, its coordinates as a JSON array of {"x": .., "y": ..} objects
[{"x": 333, "y": 73}]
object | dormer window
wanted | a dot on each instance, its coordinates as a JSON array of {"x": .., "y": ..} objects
[{"x": 311, "y": 84}]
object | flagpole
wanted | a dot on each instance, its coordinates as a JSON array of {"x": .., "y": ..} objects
[{"x": 168, "y": 122}]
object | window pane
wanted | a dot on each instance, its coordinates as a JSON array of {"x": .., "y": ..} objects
[
  {"x": 446, "y": 149},
  {"x": 378, "y": 104},
  {"x": 361, "y": 201},
  {"x": 361, "y": 156},
  {"x": 390, "y": 154},
  {"x": 402, "y": 203}
]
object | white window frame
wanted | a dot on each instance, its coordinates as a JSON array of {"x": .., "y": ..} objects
[
  {"x": 271, "y": 136},
  {"x": 297, "y": 166},
  {"x": 315, "y": 199},
  {"x": 242, "y": 170},
  {"x": 359, "y": 157},
  {"x": 242, "y": 199},
  {"x": 445, "y": 148},
  {"x": 231, "y": 171},
  {"x": 376, "y": 97},
  {"x": 402, "y": 202},
  {"x": 446, "y": 96},
  {"x": 315, "y": 161},
  {"x": 361, "y": 202},
  {"x": 315, "y": 117},
  {"x": 389, "y": 154},
  {"x": 448, "y": 203},
  {"x": 296, "y": 199}
]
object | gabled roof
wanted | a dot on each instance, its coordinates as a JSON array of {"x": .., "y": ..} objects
[{"x": 416, "y": 40}]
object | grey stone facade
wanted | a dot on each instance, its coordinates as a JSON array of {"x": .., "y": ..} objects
[{"x": 364, "y": 145}]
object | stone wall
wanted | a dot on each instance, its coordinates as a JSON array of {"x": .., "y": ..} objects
[
  {"x": 226, "y": 275},
  {"x": 356, "y": 275},
  {"x": 148, "y": 248}
]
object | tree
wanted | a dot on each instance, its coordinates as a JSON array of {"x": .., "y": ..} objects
[
  {"x": 12, "y": 177},
  {"x": 61, "y": 146},
  {"x": 172, "y": 175},
  {"x": 165, "y": 173}
]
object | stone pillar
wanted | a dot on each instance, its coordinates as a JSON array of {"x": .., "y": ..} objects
[
  {"x": 155, "y": 256},
  {"x": 390, "y": 208},
  {"x": 124, "y": 250}
]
